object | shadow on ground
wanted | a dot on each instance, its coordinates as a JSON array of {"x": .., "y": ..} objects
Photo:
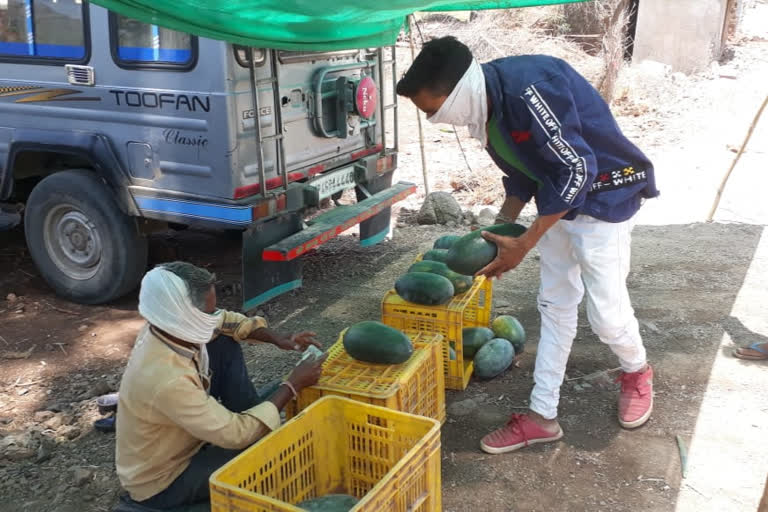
[{"x": 683, "y": 283}]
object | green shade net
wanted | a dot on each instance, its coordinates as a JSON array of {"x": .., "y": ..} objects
[{"x": 308, "y": 25}]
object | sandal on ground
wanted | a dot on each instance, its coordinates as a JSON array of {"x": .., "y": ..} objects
[{"x": 755, "y": 347}]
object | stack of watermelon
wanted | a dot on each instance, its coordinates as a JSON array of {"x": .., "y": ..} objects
[
  {"x": 430, "y": 282},
  {"x": 449, "y": 267},
  {"x": 494, "y": 349}
]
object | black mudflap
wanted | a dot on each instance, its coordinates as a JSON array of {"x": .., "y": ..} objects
[
  {"x": 264, "y": 280},
  {"x": 375, "y": 229}
]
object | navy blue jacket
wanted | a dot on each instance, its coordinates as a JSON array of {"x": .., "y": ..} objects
[{"x": 560, "y": 128}]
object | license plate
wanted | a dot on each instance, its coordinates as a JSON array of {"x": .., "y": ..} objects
[{"x": 337, "y": 181}]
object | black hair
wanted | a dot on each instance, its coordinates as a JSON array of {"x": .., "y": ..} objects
[
  {"x": 438, "y": 68},
  {"x": 198, "y": 280}
]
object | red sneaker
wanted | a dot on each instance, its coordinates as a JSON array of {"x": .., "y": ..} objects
[
  {"x": 520, "y": 431},
  {"x": 636, "y": 398}
]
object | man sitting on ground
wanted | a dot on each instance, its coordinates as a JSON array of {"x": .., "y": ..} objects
[{"x": 186, "y": 405}]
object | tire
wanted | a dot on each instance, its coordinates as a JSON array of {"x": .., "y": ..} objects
[{"x": 84, "y": 246}]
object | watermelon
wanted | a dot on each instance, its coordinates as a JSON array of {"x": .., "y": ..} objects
[
  {"x": 374, "y": 342},
  {"x": 329, "y": 503},
  {"x": 493, "y": 358},
  {"x": 472, "y": 338},
  {"x": 509, "y": 328},
  {"x": 424, "y": 288},
  {"x": 460, "y": 283},
  {"x": 472, "y": 252},
  {"x": 436, "y": 267},
  {"x": 445, "y": 242},
  {"x": 435, "y": 255}
]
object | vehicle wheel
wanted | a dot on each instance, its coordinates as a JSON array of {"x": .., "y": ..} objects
[{"x": 85, "y": 247}]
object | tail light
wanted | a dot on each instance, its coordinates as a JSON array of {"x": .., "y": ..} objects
[
  {"x": 385, "y": 163},
  {"x": 269, "y": 207}
]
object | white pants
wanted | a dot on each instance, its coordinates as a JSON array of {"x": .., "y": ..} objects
[{"x": 579, "y": 254}]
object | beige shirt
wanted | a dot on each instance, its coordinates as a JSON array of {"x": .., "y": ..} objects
[{"x": 165, "y": 414}]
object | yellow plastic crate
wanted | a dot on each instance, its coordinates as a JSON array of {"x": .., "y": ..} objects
[
  {"x": 470, "y": 309},
  {"x": 416, "y": 386},
  {"x": 388, "y": 459}
]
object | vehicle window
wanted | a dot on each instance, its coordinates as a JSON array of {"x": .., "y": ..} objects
[
  {"x": 50, "y": 29},
  {"x": 139, "y": 42}
]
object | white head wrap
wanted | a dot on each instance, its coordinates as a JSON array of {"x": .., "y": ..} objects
[
  {"x": 165, "y": 303},
  {"x": 467, "y": 105}
]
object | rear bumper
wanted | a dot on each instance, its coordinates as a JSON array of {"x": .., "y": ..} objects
[
  {"x": 271, "y": 251},
  {"x": 337, "y": 221}
]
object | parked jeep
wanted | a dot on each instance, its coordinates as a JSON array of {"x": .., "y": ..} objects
[{"x": 111, "y": 128}]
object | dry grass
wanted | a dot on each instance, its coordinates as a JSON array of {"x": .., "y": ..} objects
[
  {"x": 495, "y": 34},
  {"x": 642, "y": 95},
  {"x": 491, "y": 35}
]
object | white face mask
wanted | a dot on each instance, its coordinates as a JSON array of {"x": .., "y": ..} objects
[
  {"x": 164, "y": 302},
  {"x": 467, "y": 105}
]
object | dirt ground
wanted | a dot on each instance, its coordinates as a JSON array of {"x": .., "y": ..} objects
[{"x": 698, "y": 290}]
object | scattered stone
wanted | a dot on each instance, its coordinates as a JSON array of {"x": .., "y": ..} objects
[
  {"x": 69, "y": 432},
  {"x": 43, "y": 416},
  {"x": 18, "y": 355},
  {"x": 100, "y": 388},
  {"x": 487, "y": 216},
  {"x": 601, "y": 380},
  {"x": 462, "y": 408},
  {"x": 6, "y": 420},
  {"x": 55, "y": 421},
  {"x": 81, "y": 476},
  {"x": 22, "y": 391},
  {"x": 11, "y": 297},
  {"x": 439, "y": 208},
  {"x": 45, "y": 450},
  {"x": 82, "y": 328},
  {"x": 577, "y": 387},
  {"x": 16, "y": 447},
  {"x": 650, "y": 326},
  {"x": 490, "y": 417},
  {"x": 113, "y": 381},
  {"x": 55, "y": 407}
]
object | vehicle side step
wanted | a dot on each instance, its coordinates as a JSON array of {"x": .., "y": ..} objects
[{"x": 335, "y": 222}]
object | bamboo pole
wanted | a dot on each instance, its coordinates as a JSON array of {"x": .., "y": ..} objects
[
  {"x": 418, "y": 113},
  {"x": 736, "y": 160}
]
